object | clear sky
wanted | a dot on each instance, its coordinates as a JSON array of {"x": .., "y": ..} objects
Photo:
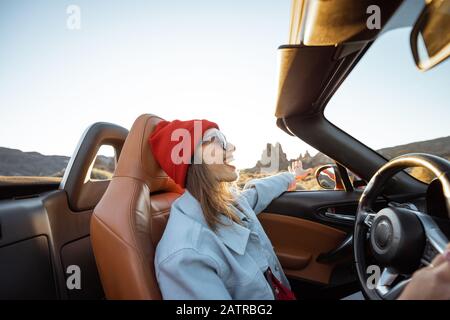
[
  {"x": 189, "y": 59},
  {"x": 386, "y": 101}
]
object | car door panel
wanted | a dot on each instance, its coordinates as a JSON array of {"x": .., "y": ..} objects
[
  {"x": 299, "y": 257},
  {"x": 312, "y": 205},
  {"x": 26, "y": 270},
  {"x": 36, "y": 247}
]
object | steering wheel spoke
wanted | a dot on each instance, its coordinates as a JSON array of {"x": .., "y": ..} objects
[
  {"x": 395, "y": 291},
  {"x": 387, "y": 278},
  {"x": 429, "y": 253},
  {"x": 369, "y": 216},
  {"x": 386, "y": 287},
  {"x": 436, "y": 240}
]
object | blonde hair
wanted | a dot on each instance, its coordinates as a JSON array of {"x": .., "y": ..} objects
[{"x": 215, "y": 197}]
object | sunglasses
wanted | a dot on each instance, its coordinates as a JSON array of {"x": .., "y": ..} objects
[{"x": 218, "y": 135}]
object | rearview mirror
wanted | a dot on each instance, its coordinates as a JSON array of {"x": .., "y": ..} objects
[
  {"x": 326, "y": 177},
  {"x": 430, "y": 36}
]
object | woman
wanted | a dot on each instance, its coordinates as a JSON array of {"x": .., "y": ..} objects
[{"x": 213, "y": 246}]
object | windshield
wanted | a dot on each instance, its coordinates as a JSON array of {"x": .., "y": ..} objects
[{"x": 392, "y": 107}]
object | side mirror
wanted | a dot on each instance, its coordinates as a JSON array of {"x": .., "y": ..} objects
[
  {"x": 326, "y": 177},
  {"x": 430, "y": 36}
]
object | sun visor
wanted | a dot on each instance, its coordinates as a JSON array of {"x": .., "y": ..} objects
[
  {"x": 325, "y": 22},
  {"x": 309, "y": 75}
]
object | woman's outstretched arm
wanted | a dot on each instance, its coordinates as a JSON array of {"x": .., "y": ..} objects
[{"x": 259, "y": 193}]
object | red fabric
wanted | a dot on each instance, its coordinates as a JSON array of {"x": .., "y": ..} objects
[
  {"x": 280, "y": 291},
  {"x": 162, "y": 145}
]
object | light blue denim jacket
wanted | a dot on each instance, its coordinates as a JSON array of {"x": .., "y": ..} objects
[{"x": 193, "y": 262}]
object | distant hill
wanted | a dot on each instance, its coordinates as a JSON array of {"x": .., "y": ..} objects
[
  {"x": 14, "y": 162},
  {"x": 439, "y": 147}
]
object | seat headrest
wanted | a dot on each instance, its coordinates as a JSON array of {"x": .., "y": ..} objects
[{"x": 136, "y": 158}]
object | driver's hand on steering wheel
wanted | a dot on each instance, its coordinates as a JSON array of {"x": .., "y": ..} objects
[{"x": 432, "y": 282}]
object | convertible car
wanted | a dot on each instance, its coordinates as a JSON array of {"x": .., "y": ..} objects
[{"x": 330, "y": 243}]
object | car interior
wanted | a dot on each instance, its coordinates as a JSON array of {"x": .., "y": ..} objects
[{"x": 324, "y": 239}]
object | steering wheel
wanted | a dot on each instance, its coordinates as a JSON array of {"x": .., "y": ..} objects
[{"x": 400, "y": 238}]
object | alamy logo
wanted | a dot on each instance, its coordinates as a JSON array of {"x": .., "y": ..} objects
[
  {"x": 374, "y": 273},
  {"x": 73, "y": 21},
  {"x": 374, "y": 20},
  {"x": 73, "y": 281},
  {"x": 270, "y": 159}
]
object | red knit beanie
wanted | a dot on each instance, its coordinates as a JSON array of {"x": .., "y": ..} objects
[{"x": 171, "y": 139}]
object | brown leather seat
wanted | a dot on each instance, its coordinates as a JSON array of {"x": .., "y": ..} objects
[{"x": 130, "y": 218}]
